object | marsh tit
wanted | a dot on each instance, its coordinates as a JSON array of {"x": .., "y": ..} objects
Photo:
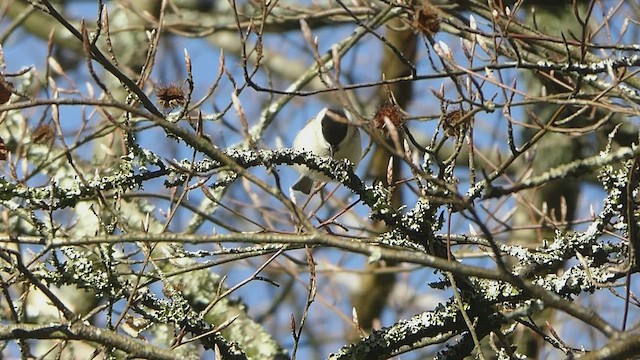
[{"x": 330, "y": 133}]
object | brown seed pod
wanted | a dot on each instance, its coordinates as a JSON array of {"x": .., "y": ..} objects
[
  {"x": 171, "y": 96},
  {"x": 3, "y": 150},
  {"x": 455, "y": 122},
  {"x": 5, "y": 93},
  {"x": 388, "y": 111},
  {"x": 426, "y": 19},
  {"x": 43, "y": 134}
]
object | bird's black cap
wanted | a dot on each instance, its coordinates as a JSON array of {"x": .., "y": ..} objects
[{"x": 334, "y": 127}]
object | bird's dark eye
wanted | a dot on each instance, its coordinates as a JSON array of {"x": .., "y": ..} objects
[{"x": 334, "y": 130}]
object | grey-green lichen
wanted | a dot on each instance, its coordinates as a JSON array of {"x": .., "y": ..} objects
[
  {"x": 80, "y": 269},
  {"x": 405, "y": 332}
]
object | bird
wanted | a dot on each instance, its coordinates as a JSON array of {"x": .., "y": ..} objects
[{"x": 331, "y": 133}]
